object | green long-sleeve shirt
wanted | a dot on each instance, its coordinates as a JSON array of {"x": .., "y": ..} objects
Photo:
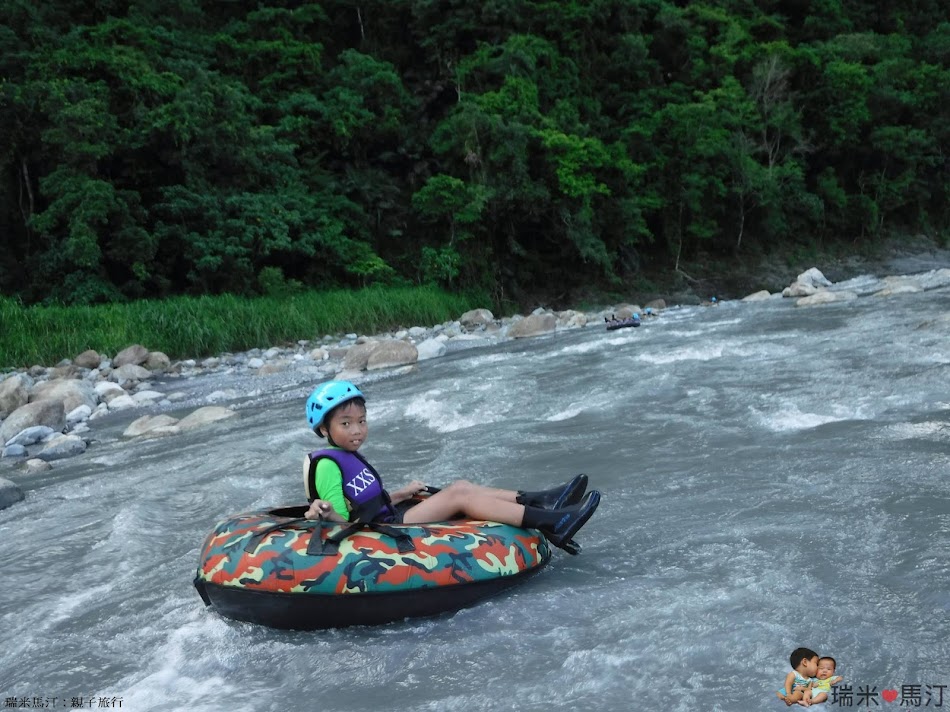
[{"x": 329, "y": 481}]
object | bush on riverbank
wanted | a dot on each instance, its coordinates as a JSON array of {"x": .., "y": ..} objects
[
  {"x": 158, "y": 149},
  {"x": 196, "y": 326}
]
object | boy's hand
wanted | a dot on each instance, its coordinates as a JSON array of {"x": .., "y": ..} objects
[
  {"x": 415, "y": 487},
  {"x": 319, "y": 509},
  {"x": 410, "y": 490}
]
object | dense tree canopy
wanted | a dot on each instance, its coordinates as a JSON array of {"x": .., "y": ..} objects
[{"x": 161, "y": 147}]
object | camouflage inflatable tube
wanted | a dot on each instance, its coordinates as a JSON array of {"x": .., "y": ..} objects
[{"x": 278, "y": 569}]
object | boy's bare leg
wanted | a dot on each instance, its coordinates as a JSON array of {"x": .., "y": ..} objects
[{"x": 790, "y": 699}]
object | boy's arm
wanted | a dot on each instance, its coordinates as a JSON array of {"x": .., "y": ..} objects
[
  {"x": 789, "y": 679},
  {"x": 407, "y": 492},
  {"x": 836, "y": 679},
  {"x": 329, "y": 480}
]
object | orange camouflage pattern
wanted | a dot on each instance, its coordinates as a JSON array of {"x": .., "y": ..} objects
[{"x": 445, "y": 554}]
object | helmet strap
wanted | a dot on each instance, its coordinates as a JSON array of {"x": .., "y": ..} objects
[{"x": 328, "y": 436}]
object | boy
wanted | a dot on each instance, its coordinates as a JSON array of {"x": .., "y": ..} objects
[
  {"x": 341, "y": 485},
  {"x": 804, "y": 664}
]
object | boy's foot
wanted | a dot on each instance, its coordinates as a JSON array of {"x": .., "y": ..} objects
[
  {"x": 558, "y": 497},
  {"x": 572, "y": 547},
  {"x": 572, "y": 493},
  {"x": 561, "y": 534}
]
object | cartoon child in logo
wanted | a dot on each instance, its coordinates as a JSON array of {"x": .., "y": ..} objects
[
  {"x": 804, "y": 664},
  {"x": 810, "y": 680}
]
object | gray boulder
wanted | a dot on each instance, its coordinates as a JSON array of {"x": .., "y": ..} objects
[
  {"x": 533, "y": 325},
  {"x": 825, "y": 296},
  {"x": 392, "y": 353},
  {"x": 34, "y": 465},
  {"x": 625, "y": 311},
  {"x": 107, "y": 390},
  {"x": 152, "y": 426},
  {"x": 67, "y": 371},
  {"x": 123, "y": 402},
  {"x": 800, "y": 289},
  {"x": 136, "y": 355},
  {"x": 147, "y": 397},
  {"x": 203, "y": 416},
  {"x": 9, "y": 493},
  {"x": 128, "y": 374},
  {"x": 30, "y": 436},
  {"x": 71, "y": 394},
  {"x": 14, "y": 451},
  {"x": 78, "y": 415},
  {"x": 357, "y": 357},
  {"x": 88, "y": 359},
  {"x": 61, "y": 447},
  {"x": 808, "y": 283},
  {"x": 430, "y": 348},
  {"x": 572, "y": 319},
  {"x": 475, "y": 318},
  {"x": 759, "y": 296},
  {"x": 813, "y": 277},
  {"x": 42, "y": 412},
  {"x": 157, "y": 361},
  {"x": 14, "y": 392}
]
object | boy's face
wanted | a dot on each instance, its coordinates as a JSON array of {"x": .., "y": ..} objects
[
  {"x": 810, "y": 667},
  {"x": 826, "y": 669},
  {"x": 347, "y": 426}
]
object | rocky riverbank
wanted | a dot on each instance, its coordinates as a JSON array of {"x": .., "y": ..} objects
[{"x": 49, "y": 414}]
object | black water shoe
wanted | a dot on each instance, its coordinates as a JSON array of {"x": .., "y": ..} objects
[
  {"x": 561, "y": 532},
  {"x": 556, "y": 498}
]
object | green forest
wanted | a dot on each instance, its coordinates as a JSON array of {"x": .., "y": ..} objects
[{"x": 173, "y": 147}]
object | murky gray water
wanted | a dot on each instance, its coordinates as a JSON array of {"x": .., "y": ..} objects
[{"x": 772, "y": 477}]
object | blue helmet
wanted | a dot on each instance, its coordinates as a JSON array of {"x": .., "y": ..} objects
[{"x": 328, "y": 396}]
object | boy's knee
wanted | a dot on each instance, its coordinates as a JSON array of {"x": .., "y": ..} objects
[{"x": 461, "y": 487}]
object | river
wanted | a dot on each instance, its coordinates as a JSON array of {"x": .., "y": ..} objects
[{"x": 772, "y": 477}]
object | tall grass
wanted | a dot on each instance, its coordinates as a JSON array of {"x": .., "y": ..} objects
[{"x": 199, "y": 326}]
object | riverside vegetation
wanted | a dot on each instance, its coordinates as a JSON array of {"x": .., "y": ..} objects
[
  {"x": 157, "y": 148},
  {"x": 198, "y": 326}
]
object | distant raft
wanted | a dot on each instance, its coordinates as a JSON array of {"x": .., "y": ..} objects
[
  {"x": 615, "y": 323},
  {"x": 276, "y": 568}
]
